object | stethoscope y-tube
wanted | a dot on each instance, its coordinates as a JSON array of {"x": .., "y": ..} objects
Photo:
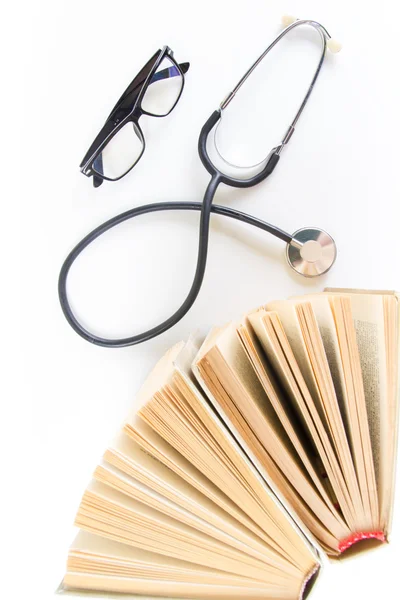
[{"x": 310, "y": 251}]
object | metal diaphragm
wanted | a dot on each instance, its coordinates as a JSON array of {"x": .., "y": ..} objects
[{"x": 311, "y": 252}]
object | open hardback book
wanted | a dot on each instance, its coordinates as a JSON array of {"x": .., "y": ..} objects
[{"x": 249, "y": 453}]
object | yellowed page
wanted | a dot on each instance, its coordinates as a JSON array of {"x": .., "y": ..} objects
[
  {"x": 281, "y": 405},
  {"x": 161, "y": 450},
  {"x": 185, "y": 512},
  {"x": 175, "y": 411},
  {"x": 380, "y": 375},
  {"x": 237, "y": 386},
  {"x": 125, "y": 568},
  {"x": 131, "y": 487},
  {"x": 112, "y": 514},
  {"x": 301, "y": 327},
  {"x": 335, "y": 322},
  {"x": 270, "y": 332},
  {"x": 175, "y": 590},
  {"x": 130, "y": 458}
]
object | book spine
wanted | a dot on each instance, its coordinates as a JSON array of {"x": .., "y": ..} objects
[
  {"x": 358, "y": 537},
  {"x": 309, "y": 582}
]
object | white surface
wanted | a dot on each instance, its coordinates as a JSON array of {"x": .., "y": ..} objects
[{"x": 68, "y": 62}]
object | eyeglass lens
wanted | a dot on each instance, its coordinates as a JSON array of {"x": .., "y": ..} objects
[
  {"x": 163, "y": 90},
  {"x": 121, "y": 153}
]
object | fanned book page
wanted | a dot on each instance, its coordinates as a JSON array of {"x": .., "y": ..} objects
[
  {"x": 309, "y": 386},
  {"x": 176, "y": 508},
  {"x": 247, "y": 454}
]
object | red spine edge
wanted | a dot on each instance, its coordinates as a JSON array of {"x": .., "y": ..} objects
[{"x": 357, "y": 537}]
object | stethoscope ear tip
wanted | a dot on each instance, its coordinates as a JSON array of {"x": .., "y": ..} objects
[
  {"x": 334, "y": 46},
  {"x": 288, "y": 20},
  {"x": 311, "y": 252}
]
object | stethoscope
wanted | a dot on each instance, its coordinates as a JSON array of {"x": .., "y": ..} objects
[{"x": 310, "y": 251}]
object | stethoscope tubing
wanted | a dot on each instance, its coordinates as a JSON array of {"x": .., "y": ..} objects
[{"x": 206, "y": 208}]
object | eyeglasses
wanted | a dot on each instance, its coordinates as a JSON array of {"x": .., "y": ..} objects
[{"x": 120, "y": 144}]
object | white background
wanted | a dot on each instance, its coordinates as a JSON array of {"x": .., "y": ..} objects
[{"x": 67, "y": 63}]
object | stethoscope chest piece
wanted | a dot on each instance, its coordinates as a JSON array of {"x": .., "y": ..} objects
[{"x": 311, "y": 252}]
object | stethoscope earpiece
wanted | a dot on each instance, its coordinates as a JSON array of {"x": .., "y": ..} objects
[
  {"x": 333, "y": 45},
  {"x": 311, "y": 252},
  {"x": 288, "y": 20}
]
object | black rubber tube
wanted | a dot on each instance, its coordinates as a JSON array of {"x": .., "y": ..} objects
[{"x": 206, "y": 207}]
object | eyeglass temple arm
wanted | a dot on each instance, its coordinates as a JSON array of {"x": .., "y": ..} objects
[{"x": 169, "y": 72}]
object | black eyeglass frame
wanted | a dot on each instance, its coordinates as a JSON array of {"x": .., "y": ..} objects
[{"x": 117, "y": 119}]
